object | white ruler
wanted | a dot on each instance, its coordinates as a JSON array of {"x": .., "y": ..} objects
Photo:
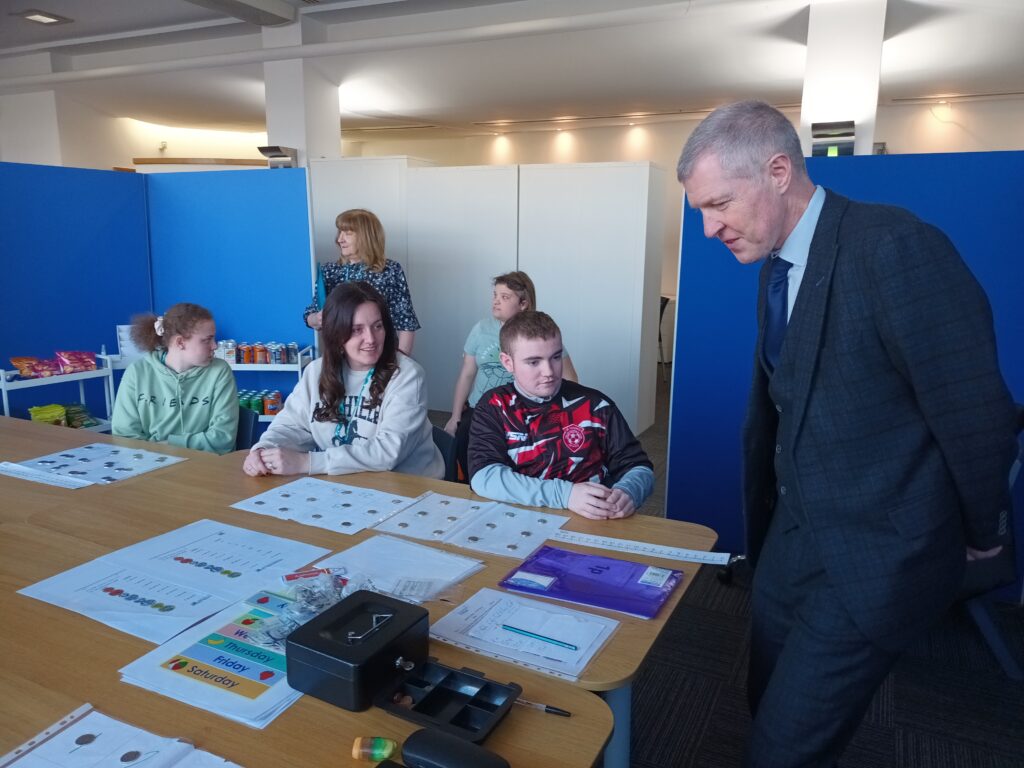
[{"x": 641, "y": 548}]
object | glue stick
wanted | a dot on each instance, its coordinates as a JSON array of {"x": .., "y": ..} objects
[{"x": 372, "y": 748}]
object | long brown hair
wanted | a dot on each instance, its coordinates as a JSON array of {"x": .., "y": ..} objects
[
  {"x": 178, "y": 320},
  {"x": 336, "y": 330},
  {"x": 369, "y": 235}
]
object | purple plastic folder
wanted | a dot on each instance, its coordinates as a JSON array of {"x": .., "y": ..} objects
[{"x": 603, "y": 582}]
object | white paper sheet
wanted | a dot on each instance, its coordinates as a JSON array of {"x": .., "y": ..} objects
[
  {"x": 196, "y": 570},
  {"x": 488, "y": 526},
  {"x": 572, "y": 638},
  {"x": 39, "y": 476},
  {"x": 389, "y": 563},
  {"x": 334, "y": 506},
  {"x": 217, "y": 667},
  {"x": 101, "y": 462},
  {"x": 87, "y": 738}
]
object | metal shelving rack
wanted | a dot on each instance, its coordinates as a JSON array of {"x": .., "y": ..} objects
[{"x": 10, "y": 382}]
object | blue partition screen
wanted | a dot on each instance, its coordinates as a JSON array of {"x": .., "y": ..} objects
[
  {"x": 75, "y": 261},
  {"x": 236, "y": 242},
  {"x": 975, "y": 198}
]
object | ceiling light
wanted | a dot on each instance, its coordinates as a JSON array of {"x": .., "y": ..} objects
[{"x": 42, "y": 17}]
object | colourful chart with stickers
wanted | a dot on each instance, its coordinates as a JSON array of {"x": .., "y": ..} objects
[
  {"x": 222, "y": 665},
  {"x": 128, "y": 599},
  {"x": 101, "y": 463},
  {"x": 160, "y": 586},
  {"x": 334, "y": 506}
]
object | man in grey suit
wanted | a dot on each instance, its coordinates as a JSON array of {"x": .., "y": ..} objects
[{"x": 879, "y": 431}]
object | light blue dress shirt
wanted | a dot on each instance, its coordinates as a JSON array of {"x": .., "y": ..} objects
[{"x": 798, "y": 245}]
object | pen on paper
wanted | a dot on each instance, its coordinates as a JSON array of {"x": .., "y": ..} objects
[
  {"x": 535, "y": 636},
  {"x": 544, "y": 708}
]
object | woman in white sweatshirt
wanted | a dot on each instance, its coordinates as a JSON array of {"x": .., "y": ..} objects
[{"x": 362, "y": 407}]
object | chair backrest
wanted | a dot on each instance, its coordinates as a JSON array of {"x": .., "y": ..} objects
[
  {"x": 247, "y": 421},
  {"x": 446, "y": 445}
]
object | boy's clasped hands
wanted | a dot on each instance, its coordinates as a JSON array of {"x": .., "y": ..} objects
[{"x": 597, "y": 502}]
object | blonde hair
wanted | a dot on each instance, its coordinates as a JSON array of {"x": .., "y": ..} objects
[{"x": 369, "y": 235}]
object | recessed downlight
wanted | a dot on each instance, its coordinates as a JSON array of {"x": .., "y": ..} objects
[{"x": 42, "y": 17}]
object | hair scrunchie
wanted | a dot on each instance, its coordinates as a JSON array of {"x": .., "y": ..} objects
[{"x": 158, "y": 326}]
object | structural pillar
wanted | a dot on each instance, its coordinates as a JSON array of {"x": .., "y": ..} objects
[
  {"x": 844, "y": 60},
  {"x": 301, "y": 104},
  {"x": 29, "y": 123}
]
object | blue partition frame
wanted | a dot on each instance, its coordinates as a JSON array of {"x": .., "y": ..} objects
[
  {"x": 75, "y": 250},
  {"x": 976, "y": 198}
]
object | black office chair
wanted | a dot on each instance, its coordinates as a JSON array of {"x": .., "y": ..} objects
[
  {"x": 986, "y": 577},
  {"x": 247, "y": 421},
  {"x": 446, "y": 445}
]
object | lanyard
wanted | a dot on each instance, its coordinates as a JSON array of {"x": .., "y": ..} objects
[{"x": 347, "y": 438}]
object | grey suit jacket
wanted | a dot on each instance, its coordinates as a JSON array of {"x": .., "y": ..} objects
[{"x": 898, "y": 434}]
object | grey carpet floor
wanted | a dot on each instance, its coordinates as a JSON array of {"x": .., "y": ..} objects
[{"x": 946, "y": 704}]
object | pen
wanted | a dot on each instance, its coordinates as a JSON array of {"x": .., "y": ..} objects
[
  {"x": 535, "y": 636},
  {"x": 544, "y": 708}
]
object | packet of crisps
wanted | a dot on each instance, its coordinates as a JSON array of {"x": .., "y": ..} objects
[
  {"x": 51, "y": 414},
  {"x": 77, "y": 415},
  {"x": 24, "y": 365},
  {"x": 76, "y": 362},
  {"x": 43, "y": 368}
]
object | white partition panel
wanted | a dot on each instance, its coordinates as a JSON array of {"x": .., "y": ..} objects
[
  {"x": 462, "y": 231},
  {"x": 587, "y": 238},
  {"x": 374, "y": 183}
]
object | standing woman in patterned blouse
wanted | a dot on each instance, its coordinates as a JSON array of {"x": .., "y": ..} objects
[{"x": 361, "y": 241}]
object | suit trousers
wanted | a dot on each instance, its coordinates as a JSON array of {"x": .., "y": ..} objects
[{"x": 812, "y": 671}]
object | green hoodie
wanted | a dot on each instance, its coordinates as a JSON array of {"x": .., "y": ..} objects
[{"x": 195, "y": 409}]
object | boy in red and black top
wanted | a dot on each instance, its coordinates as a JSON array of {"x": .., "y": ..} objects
[{"x": 544, "y": 442}]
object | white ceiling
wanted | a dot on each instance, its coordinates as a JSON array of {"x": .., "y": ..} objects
[{"x": 458, "y": 63}]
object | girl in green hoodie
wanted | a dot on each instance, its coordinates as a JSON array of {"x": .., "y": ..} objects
[{"x": 178, "y": 393}]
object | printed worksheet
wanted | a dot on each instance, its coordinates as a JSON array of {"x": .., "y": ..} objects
[
  {"x": 505, "y": 530},
  {"x": 484, "y": 526},
  {"x": 548, "y": 638},
  {"x": 87, "y": 738},
  {"x": 334, "y": 506},
  {"x": 160, "y": 586},
  {"x": 432, "y": 516},
  {"x": 219, "y": 667},
  {"x": 101, "y": 462}
]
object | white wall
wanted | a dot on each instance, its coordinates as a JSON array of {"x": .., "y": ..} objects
[
  {"x": 90, "y": 139},
  {"x": 969, "y": 126},
  {"x": 28, "y": 129},
  {"x": 658, "y": 143},
  {"x": 977, "y": 126}
]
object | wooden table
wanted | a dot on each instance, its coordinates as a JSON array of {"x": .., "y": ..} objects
[
  {"x": 610, "y": 673},
  {"x": 47, "y": 530},
  {"x": 55, "y": 660}
]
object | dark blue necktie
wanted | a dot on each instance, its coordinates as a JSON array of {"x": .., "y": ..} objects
[{"x": 776, "y": 306}]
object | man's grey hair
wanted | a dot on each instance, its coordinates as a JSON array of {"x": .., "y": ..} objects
[{"x": 743, "y": 135}]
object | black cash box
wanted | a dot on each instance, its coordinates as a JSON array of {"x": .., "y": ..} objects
[
  {"x": 353, "y": 649},
  {"x": 372, "y": 649}
]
